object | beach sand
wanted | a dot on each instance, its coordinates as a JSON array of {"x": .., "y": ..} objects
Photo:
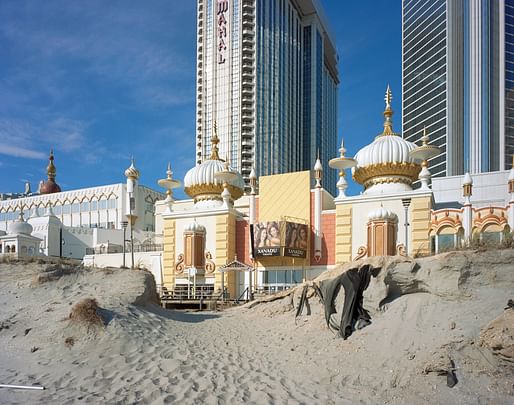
[{"x": 425, "y": 314}]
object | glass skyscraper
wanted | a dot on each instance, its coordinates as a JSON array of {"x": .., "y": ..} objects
[
  {"x": 458, "y": 81},
  {"x": 267, "y": 75}
]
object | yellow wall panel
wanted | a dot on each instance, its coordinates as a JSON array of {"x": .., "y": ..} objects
[{"x": 285, "y": 195}]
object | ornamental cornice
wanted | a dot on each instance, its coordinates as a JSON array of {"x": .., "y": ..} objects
[
  {"x": 211, "y": 191},
  {"x": 388, "y": 172}
]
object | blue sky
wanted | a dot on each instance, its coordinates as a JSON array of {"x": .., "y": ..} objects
[{"x": 100, "y": 81}]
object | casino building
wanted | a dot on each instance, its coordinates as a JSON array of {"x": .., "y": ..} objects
[{"x": 292, "y": 229}]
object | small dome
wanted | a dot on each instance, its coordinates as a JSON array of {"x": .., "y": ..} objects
[
  {"x": 200, "y": 182},
  {"x": 194, "y": 227},
  {"x": 385, "y": 164},
  {"x": 467, "y": 180},
  {"x": 382, "y": 213},
  {"x": 19, "y": 226},
  {"x": 49, "y": 187},
  {"x": 132, "y": 172}
]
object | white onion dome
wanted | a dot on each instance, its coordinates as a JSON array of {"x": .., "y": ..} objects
[
  {"x": 132, "y": 172},
  {"x": 194, "y": 227},
  {"x": 467, "y": 180},
  {"x": 382, "y": 214},
  {"x": 253, "y": 175},
  {"x": 19, "y": 226},
  {"x": 386, "y": 161},
  {"x": 200, "y": 182}
]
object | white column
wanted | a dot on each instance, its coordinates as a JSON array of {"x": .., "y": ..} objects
[{"x": 317, "y": 222}]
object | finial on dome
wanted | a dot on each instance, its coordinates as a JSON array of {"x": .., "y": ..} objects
[
  {"x": 388, "y": 113},
  {"x": 214, "y": 141},
  {"x": 424, "y": 138},
  {"x": 342, "y": 149},
  {"x": 50, "y": 169}
]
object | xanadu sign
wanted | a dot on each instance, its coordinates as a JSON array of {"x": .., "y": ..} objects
[
  {"x": 268, "y": 239},
  {"x": 222, "y": 9}
]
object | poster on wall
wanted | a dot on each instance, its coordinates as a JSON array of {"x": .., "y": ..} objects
[
  {"x": 266, "y": 239},
  {"x": 296, "y": 240}
]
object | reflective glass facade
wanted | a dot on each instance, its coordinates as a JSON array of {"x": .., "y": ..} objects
[
  {"x": 267, "y": 74},
  {"x": 456, "y": 64}
]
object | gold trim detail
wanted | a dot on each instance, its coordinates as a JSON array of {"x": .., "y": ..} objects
[
  {"x": 211, "y": 191},
  {"x": 386, "y": 173},
  {"x": 362, "y": 251},
  {"x": 210, "y": 266},
  {"x": 179, "y": 266}
]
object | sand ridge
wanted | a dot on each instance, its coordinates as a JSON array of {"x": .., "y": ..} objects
[{"x": 146, "y": 354}]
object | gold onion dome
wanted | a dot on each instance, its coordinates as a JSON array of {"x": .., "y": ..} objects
[
  {"x": 385, "y": 165},
  {"x": 50, "y": 186},
  {"x": 132, "y": 172},
  {"x": 200, "y": 182}
]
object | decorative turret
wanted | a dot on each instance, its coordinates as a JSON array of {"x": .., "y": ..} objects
[
  {"x": 342, "y": 163},
  {"x": 467, "y": 220},
  {"x": 423, "y": 153},
  {"x": 132, "y": 175},
  {"x": 169, "y": 183},
  {"x": 50, "y": 186},
  {"x": 385, "y": 165}
]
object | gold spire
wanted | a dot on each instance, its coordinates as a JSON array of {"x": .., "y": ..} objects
[
  {"x": 388, "y": 113},
  {"x": 215, "y": 140},
  {"x": 50, "y": 169}
]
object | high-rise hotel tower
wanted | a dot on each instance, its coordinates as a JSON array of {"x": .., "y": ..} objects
[
  {"x": 458, "y": 81},
  {"x": 267, "y": 75}
]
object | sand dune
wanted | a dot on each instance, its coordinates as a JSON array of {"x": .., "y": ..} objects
[{"x": 147, "y": 355}]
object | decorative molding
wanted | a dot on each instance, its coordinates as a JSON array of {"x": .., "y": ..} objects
[
  {"x": 362, "y": 251},
  {"x": 210, "y": 266},
  {"x": 179, "y": 265},
  {"x": 446, "y": 217},
  {"x": 212, "y": 191},
  {"x": 390, "y": 172},
  {"x": 400, "y": 250},
  {"x": 489, "y": 216}
]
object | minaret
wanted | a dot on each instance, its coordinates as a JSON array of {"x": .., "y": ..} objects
[
  {"x": 132, "y": 175},
  {"x": 467, "y": 191},
  {"x": 318, "y": 172}
]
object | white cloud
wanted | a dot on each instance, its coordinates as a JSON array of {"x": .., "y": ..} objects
[{"x": 17, "y": 151}]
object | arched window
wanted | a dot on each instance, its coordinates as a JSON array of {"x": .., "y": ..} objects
[
  {"x": 491, "y": 234},
  {"x": 13, "y": 249},
  {"x": 447, "y": 238}
]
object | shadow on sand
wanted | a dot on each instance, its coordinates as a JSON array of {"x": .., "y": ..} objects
[{"x": 182, "y": 316}]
